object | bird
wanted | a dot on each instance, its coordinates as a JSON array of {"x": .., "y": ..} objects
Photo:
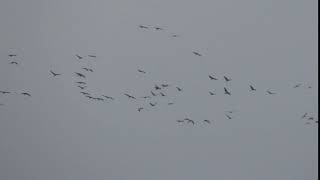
[
  {"x": 297, "y": 85},
  {"x": 229, "y": 117},
  {"x": 146, "y": 97},
  {"x": 226, "y": 92},
  {"x": 311, "y": 118},
  {"x": 227, "y": 79},
  {"x": 90, "y": 97},
  {"x": 129, "y": 96},
  {"x": 175, "y": 35},
  {"x": 156, "y": 87},
  {"x": 12, "y": 55},
  {"x": 14, "y": 62},
  {"x": 153, "y": 104},
  {"x": 180, "y": 121},
  {"x": 158, "y": 28},
  {"x": 108, "y": 97},
  {"x": 80, "y": 82},
  {"x": 196, "y": 53},
  {"x": 304, "y": 115},
  {"x": 211, "y": 93},
  {"x": 54, "y": 74},
  {"x": 140, "y": 108},
  {"x": 82, "y": 87},
  {"x": 92, "y": 56},
  {"x": 99, "y": 99},
  {"x": 88, "y": 69},
  {"x": 212, "y": 78},
  {"x": 170, "y": 104},
  {"x": 80, "y": 75},
  {"x": 84, "y": 93},
  {"x": 143, "y": 27},
  {"x": 5, "y": 92},
  {"x": 207, "y": 121},
  {"x": 179, "y": 89},
  {"x": 252, "y": 88},
  {"x": 163, "y": 95},
  {"x": 26, "y": 94},
  {"x": 270, "y": 93},
  {"x": 189, "y": 121},
  {"x": 141, "y": 71},
  {"x": 79, "y": 57},
  {"x": 165, "y": 85},
  {"x": 153, "y": 94}
]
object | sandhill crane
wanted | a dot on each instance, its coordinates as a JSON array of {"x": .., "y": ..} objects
[
  {"x": 14, "y": 62},
  {"x": 189, "y": 121},
  {"x": 141, "y": 71},
  {"x": 153, "y": 94},
  {"x": 211, "y": 93},
  {"x": 158, "y": 28},
  {"x": 196, "y": 53},
  {"x": 229, "y": 117},
  {"x": 26, "y": 94},
  {"x": 227, "y": 79},
  {"x": 212, "y": 78},
  {"x": 270, "y": 92},
  {"x": 165, "y": 85},
  {"x": 54, "y": 74},
  {"x": 297, "y": 85},
  {"x": 80, "y": 82},
  {"x": 207, "y": 121},
  {"x": 153, "y": 104},
  {"x": 180, "y": 121},
  {"x": 179, "y": 89},
  {"x": 79, "y": 57},
  {"x": 129, "y": 96},
  {"x": 108, "y": 97},
  {"x": 146, "y": 97},
  {"x": 5, "y": 92},
  {"x": 170, "y": 104},
  {"x": 82, "y": 87},
  {"x": 140, "y": 109},
  {"x": 12, "y": 55},
  {"x": 85, "y": 93},
  {"x": 252, "y": 88},
  {"x": 226, "y": 92},
  {"x": 143, "y": 27},
  {"x": 156, "y": 87},
  {"x": 88, "y": 69},
  {"x": 163, "y": 95},
  {"x": 80, "y": 75},
  {"x": 304, "y": 115},
  {"x": 92, "y": 56}
]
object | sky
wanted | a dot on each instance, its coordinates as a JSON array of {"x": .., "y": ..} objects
[{"x": 57, "y": 133}]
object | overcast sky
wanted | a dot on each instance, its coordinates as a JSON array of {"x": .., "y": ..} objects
[{"x": 58, "y": 134}]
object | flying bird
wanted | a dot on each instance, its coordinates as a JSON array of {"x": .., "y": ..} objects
[
  {"x": 175, "y": 35},
  {"x": 141, "y": 71},
  {"x": 82, "y": 87},
  {"x": 158, "y": 28},
  {"x": 156, "y": 87},
  {"x": 304, "y": 116},
  {"x": 54, "y": 74},
  {"x": 229, "y": 117},
  {"x": 179, "y": 89},
  {"x": 92, "y": 56},
  {"x": 80, "y": 82},
  {"x": 189, "y": 121},
  {"x": 270, "y": 93},
  {"x": 12, "y": 55},
  {"x": 227, "y": 79},
  {"x": 297, "y": 85},
  {"x": 311, "y": 118},
  {"x": 212, "y": 78},
  {"x": 129, "y": 96},
  {"x": 211, "y": 93},
  {"x": 153, "y": 94},
  {"x": 170, "y": 104},
  {"x": 163, "y": 95},
  {"x": 85, "y": 93},
  {"x": 196, "y": 53},
  {"x": 99, "y": 99},
  {"x": 5, "y": 92},
  {"x": 79, "y": 57},
  {"x": 88, "y": 69},
  {"x": 139, "y": 109},
  {"x": 252, "y": 88},
  {"x": 108, "y": 97},
  {"x": 180, "y": 121},
  {"x": 226, "y": 92},
  {"x": 207, "y": 121},
  {"x": 80, "y": 75},
  {"x": 143, "y": 27},
  {"x": 146, "y": 97},
  {"x": 153, "y": 104},
  {"x": 165, "y": 85},
  {"x": 26, "y": 94},
  {"x": 14, "y": 62}
]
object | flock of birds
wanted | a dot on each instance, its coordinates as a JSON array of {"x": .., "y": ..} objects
[{"x": 158, "y": 90}]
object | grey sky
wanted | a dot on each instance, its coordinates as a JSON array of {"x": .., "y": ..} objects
[{"x": 59, "y": 134}]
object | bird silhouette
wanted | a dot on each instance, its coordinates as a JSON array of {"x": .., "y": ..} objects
[
  {"x": 179, "y": 89},
  {"x": 26, "y": 94},
  {"x": 82, "y": 87},
  {"x": 212, "y": 78},
  {"x": 207, "y": 121},
  {"x": 14, "y": 62},
  {"x": 80, "y": 82},
  {"x": 79, "y": 57},
  {"x": 270, "y": 93},
  {"x": 311, "y": 118},
  {"x": 163, "y": 95},
  {"x": 304, "y": 115},
  {"x": 170, "y": 104},
  {"x": 129, "y": 96},
  {"x": 227, "y": 79},
  {"x": 80, "y": 75},
  {"x": 146, "y": 97},
  {"x": 165, "y": 85},
  {"x": 5, "y": 92},
  {"x": 229, "y": 117},
  {"x": 108, "y": 97},
  {"x": 153, "y": 104},
  {"x": 175, "y": 35},
  {"x": 156, "y": 87},
  {"x": 226, "y": 92},
  {"x": 54, "y": 74},
  {"x": 297, "y": 85},
  {"x": 99, "y": 99},
  {"x": 196, "y": 53},
  {"x": 141, "y": 71},
  {"x": 92, "y": 56},
  {"x": 211, "y": 93},
  {"x": 143, "y": 27},
  {"x": 12, "y": 55},
  {"x": 189, "y": 121},
  {"x": 252, "y": 88},
  {"x": 139, "y": 109},
  {"x": 88, "y": 69},
  {"x": 153, "y": 94},
  {"x": 158, "y": 28},
  {"x": 85, "y": 93}
]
